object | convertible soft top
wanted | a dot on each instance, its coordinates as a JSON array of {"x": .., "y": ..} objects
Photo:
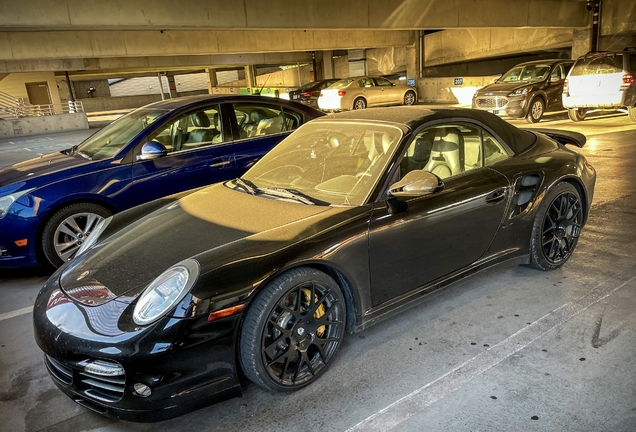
[{"x": 413, "y": 117}]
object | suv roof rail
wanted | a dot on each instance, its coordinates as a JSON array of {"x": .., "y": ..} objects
[{"x": 630, "y": 48}]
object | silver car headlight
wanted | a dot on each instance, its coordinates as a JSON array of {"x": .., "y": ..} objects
[
  {"x": 521, "y": 91},
  {"x": 165, "y": 292},
  {"x": 93, "y": 236},
  {"x": 7, "y": 200}
]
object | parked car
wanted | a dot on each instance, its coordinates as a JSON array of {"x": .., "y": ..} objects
[
  {"x": 308, "y": 94},
  {"x": 362, "y": 92},
  {"x": 351, "y": 219},
  {"x": 601, "y": 81},
  {"x": 526, "y": 91},
  {"x": 50, "y": 205}
]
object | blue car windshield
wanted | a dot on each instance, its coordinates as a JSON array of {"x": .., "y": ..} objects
[{"x": 108, "y": 141}]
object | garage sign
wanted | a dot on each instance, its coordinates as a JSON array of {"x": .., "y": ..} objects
[{"x": 459, "y": 81}]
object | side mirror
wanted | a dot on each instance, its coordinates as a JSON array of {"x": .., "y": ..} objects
[
  {"x": 152, "y": 150},
  {"x": 555, "y": 79},
  {"x": 415, "y": 184}
]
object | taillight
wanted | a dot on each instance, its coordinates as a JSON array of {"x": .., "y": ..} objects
[
  {"x": 566, "y": 87},
  {"x": 628, "y": 80},
  {"x": 306, "y": 94},
  {"x": 341, "y": 92},
  {"x": 320, "y": 94}
]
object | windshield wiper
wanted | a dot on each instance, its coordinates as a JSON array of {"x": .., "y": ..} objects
[
  {"x": 246, "y": 185},
  {"x": 292, "y": 194}
]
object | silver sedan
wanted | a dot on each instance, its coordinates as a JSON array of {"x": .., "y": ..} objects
[{"x": 362, "y": 92}]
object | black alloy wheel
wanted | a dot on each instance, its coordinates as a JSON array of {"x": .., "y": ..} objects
[
  {"x": 577, "y": 114},
  {"x": 535, "y": 112},
  {"x": 359, "y": 103},
  {"x": 292, "y": 330},
  {"x": 557, "y": 227}
]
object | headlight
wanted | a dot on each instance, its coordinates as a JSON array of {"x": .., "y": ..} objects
[
  {"x": 165, "y": 292},
  {"x": 521, "y": 91},
  {"x": 93, "y": 236},
  {"x": 7, "y": 200}
]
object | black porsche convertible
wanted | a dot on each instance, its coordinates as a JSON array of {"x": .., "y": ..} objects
[{"x": 351, "y": 218}]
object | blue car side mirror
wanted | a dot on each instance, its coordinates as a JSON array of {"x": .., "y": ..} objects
[{"x": 152, "y": 150}]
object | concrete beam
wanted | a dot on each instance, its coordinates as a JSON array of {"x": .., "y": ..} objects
[
  {"x": 165, "y": 63},
  {"x": 453, "y": 46},
  {"x": 27, "y": 45},
  {"x": 290, "y": 14},
  {"x": 618, "y": 17}
]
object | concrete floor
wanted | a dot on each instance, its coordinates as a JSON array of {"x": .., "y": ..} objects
[{"x": 511, "y": 349}]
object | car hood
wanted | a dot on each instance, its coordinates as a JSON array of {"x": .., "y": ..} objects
[
  {"x": 35, "y": 170},
  {"x": 504, "y": 87},
  {"x": 123, "y": 265}
]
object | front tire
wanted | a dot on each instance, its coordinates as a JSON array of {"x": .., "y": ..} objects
[
  {"x": 68, "y": 228},
  {"x": 557, "y": 226},
  {"x": 409, "y": 98},
  {"x": 577, "y": 114},
  {"x": 536, "y": 110},
  {"x": 292, "y": 330},
  {"x": 359, "y": 103},
  {"x": 632, "y": 113}
]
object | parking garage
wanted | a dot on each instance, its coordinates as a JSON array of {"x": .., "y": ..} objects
[{"x": 508, "y": 348}]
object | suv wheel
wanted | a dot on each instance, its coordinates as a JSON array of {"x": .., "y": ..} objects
[
  {"x": 577, "y": 114},
  {"x": 632, "y": 113},
  {"x": 535, "y": 112}
]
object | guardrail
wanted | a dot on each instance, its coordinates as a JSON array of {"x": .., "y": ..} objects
[{"x": 12, "y": 107}]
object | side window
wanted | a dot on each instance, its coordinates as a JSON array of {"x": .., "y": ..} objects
[
  {"x": 292, "y": 119},
  {"x": 365, "y": 82},
  {"x": 383, "y": 82},
  {"x": 260, "y": 119},
  {"x": 198, "y": 129},
  {"x": 452, "y": 149},
  {"x": 558, "y": 72}
]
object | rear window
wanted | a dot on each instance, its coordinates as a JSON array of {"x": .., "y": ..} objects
[
  {"x": 341, "y": 84},
  {"x": 606, "y": 64}
]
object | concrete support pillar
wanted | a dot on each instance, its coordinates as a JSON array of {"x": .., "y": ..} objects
[
  {"x": 250, "y": 76},
  {"x": 163, "y": 96},
  {"x": 212, "y": 80},
  {"x": 172, "y": 87},
  {"x": 581, "y": 42},
  {"x": 327, "y": 65},
  {"x": 413, "y": 61}
]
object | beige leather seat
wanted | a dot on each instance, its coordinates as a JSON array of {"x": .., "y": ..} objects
[{"x": 445, "y": 154}]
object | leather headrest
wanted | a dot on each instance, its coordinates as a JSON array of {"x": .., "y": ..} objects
[
  {"x": 255, "y": 116},
  {"x": 200, "y": 119}
]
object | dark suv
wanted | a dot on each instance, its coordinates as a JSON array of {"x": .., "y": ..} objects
[
  {"x": 601, "y": 81},
  {"x": 527, "y": 90}
]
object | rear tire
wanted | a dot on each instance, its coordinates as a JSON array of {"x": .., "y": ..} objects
[
  {"x": 409, "y": 98},
  {"x": 535, "y": 111},
  {"x": 359, "y": 103},
  {"x": 66, "y": 230},
  {"x": 557, "y": 226},
  {"x": 577, "y": 114},
  {"x": 632, "y": 113}
]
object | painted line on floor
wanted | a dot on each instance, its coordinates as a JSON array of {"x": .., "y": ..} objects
[
  {"x": 16, "y": 313},
  {"x": 425, "y": 396}
]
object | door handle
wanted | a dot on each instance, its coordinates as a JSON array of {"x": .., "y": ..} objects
[
  {"x": 496, "y": 196},
  {"x": 220, "y": 164}
]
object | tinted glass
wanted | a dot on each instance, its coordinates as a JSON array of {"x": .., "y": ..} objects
[
  {"x": 527, "y": 73},
  {"x": 383, "y": 82},
  {"x": 259, "y": 119},
  {"x": 108, "y": 141},
  {"x": 341, "y": 84},
  {"x": 603, "y": 64},
  {"x": 198, "y": 129},
  {"x": 632, "y": 63}
]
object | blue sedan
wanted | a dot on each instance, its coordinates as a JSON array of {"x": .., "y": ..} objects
[{"x": 50, "y": 205}]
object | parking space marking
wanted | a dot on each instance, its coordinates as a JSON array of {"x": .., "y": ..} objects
[
  {"x": 425, "y": 396},
  {"x": 16, "y": 313}
]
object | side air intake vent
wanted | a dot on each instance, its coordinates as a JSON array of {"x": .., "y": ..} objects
[{"x": 526, "y": 188}]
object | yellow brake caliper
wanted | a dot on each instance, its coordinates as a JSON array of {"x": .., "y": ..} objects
[{"x": 320, "y": 310}]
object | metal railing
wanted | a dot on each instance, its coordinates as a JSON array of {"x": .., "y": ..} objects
[{"x": 12, "y": 107}]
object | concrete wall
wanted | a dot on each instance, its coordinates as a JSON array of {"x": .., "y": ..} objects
[
  {"x": 121, "y": 102},
  {"x": 386, "y": 61},
  {"x": 39, "y": 125},
  {"x": 618, "y": 17},
  {"x": 443, "y": 89},
  {"x": 14, "y": 84},
  {"x": 341, "y": 67},
  {"x": 452, "y": 46}
]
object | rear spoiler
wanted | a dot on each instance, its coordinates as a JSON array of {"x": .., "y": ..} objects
[{"x": 563, "y": 136}]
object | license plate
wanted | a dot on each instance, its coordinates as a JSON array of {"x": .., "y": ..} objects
[{"x": 296, "y": 97}]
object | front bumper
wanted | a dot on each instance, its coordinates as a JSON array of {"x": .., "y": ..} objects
[
  {"x": 188, "y": 363},
  {"x": 512, "y": 106},
  {"x": 11, "y": 255}
]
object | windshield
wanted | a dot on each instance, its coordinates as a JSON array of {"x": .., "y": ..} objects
[
  {"x": 334, "y": 162},
  {"x": 108, "y": 141},
  {"x": 527, "y": 73}
]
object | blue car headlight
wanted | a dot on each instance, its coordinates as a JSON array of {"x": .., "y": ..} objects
[
  {"x": 165, "y": 292},
  {"x": 7, "y": 200},
  {"x": 93, "y": 236}
]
